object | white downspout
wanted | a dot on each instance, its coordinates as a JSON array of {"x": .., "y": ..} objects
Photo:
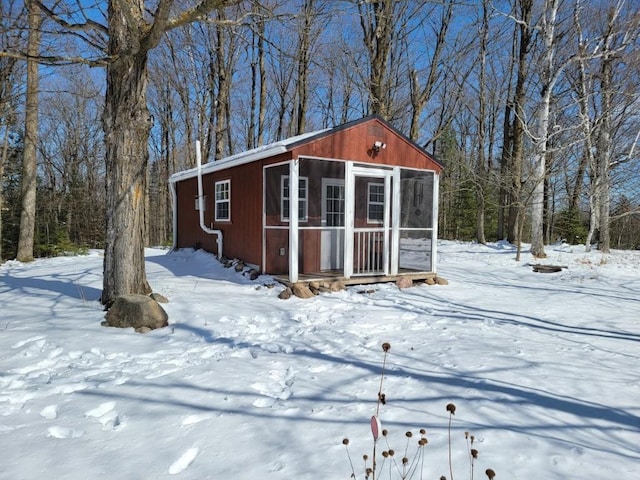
[
  {"x": 174, "y": 206},
  {"x": 206, "y": 229}
]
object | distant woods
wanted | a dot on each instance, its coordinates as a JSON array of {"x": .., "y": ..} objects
[{"x": 532, "y": 106}]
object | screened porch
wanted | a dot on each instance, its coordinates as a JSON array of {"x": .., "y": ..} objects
[{"x": 357, "y": 222}]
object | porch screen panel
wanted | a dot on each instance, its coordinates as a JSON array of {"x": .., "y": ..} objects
[
  {"x": 416, "y": 219},
  {"x": 321, "y": 237},
  {"x": 276, "y": 233}
]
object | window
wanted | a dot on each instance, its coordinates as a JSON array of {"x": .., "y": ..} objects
[
  {"x": 303, "y": 201},
  {"x": 223, "y": 200},
  {"x": 375, "y": 203},
  {"x": 334, "y": 204}
]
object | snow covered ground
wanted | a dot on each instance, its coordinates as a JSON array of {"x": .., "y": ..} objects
[{"x": 543, "y": 369}]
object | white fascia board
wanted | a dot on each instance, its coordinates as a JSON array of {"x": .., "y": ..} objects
[
  {"x": 249, "y": 156},
  {"x": 229, "y": 162}
]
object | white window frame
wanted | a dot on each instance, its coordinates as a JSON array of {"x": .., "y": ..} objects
[
  {"x": 335, "y": 182},
  {"x": 369, "y": 203},
  {"x": 220, "y": 201},
  {"x": 302, "y": 200}
]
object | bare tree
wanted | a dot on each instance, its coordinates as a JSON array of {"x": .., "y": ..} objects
[
  {"x": 11, "y": 77},
  {"x": 481, "y": 162},
  {"x": 29, "y": 160},
  {"x": 258, "y": 95},
  {"x": 71, "y": 185},
  {"x": 378, "y": 21},
  {"x": 127, "y": 123},
  {"x": 602, "y": 95},
  {"x": 549, "y": 76},
  {"x": 421, "y": 94},
  {"x": 513, "y": 149},
  {"x": 133, "y": 30}
]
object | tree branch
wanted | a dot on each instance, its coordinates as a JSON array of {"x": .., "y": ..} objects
[
  {"x": 159, "y": 26},
  {"x": 85, "y": 27},
  {"x": 57, "y": 60},
  {"x": 202, "y": 8}
]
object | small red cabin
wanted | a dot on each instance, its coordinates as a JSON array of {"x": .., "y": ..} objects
[{"x": 366, "y": 202}]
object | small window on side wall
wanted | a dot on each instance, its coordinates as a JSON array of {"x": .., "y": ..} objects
[{"x": 223, "y": 201}]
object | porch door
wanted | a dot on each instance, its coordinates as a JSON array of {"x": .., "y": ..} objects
[
  {"x": 332, "y": 233},
  {"x": 369, "y": 230}
]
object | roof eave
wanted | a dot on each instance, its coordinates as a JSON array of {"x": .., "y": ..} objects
[{"x": 223, "y": 165}]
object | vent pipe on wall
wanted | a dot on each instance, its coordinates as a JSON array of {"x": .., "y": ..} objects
[{"x": 204, "y": 228}]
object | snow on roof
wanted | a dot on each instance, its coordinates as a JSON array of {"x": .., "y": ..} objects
[{"x": 248, "y": 156}]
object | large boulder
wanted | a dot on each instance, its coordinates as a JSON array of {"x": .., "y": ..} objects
[
  {"x": 140, "y": 312},
  {"x": 404, "y": 282},
  {"x": 301, "y": 290}
]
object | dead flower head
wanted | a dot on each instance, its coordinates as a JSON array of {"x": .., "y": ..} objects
[
  {"x": 451, "y": 408},
  {"x": 490, "y": 473},
  {"x": 386, "y": 347}
]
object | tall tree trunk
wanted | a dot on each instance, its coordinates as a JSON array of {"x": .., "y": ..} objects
[
  {"x": 3, "y": 159},
  {"x": 503, "y": 193},
  {"x": 481, "y": 162},
  {"x": 126, "y": 123},
  {"x": 378, "y": 20},
  {"x": 262, "y": 107},
  {"x": 548, "y": 78},
  {"x": 304, "y": 47},
  {"x": 421, "y": 95},
  {"x": 584, "y": 89},
  {"x": 29, "y": 160},
  {"x": 604, "y": 155},
  {"x": 520, "y": 97}
]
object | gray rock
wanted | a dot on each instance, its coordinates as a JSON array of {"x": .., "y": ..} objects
[
  {"x": 159, "y": 298},
  {"x": 137, "y": 312},
  {"x": 301, "y": 290},
  {"x": 285, "y": 294},
  {"x": 404, "y": 282},
  {"x": 253, "y": 274}
]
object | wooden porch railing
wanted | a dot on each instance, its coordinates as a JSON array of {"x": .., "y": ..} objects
[{"x": 368, "y": 251}]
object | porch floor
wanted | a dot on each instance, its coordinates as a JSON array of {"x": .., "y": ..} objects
[{"x": 335, "y": 275}]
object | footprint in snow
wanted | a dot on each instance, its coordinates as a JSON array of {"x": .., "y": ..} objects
[
  {"x": 196, "y": 418},
  {"x": 278, "y": 387},
  {"x": 64, "y": 432},
  {"x": 184, "y": 461},
  {"x": 40, "y": 339},
  {"x": 50, "y": 412},
  {"x": 106, "y": 414}
]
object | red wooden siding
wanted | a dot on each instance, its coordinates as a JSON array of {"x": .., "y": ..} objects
[
  {"x": 243, "y": 234},
  {"x": 356, "y": 143}
]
